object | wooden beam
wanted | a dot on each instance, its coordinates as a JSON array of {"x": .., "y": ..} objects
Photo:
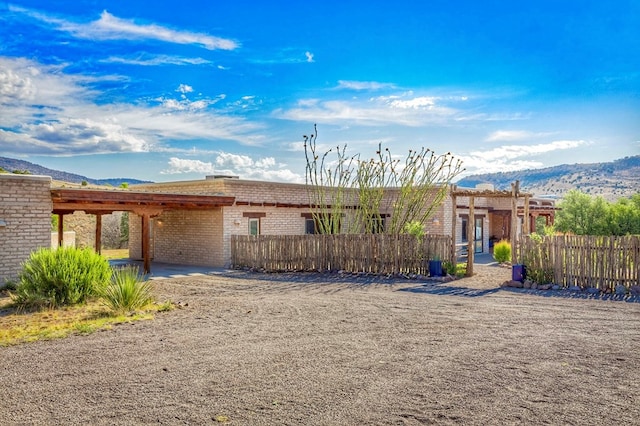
[
  {"x": 146, "y": 255},
  {"x": 471, "y": 236},
  {"x": 98, "y": 233},
  {"x": 526, "y": 227},
  {"x": 454, "y": 225},
  {"x": 515, "y": 188},
  {"x": 60, "y": 230}
]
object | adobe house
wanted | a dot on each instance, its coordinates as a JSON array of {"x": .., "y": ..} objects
[
  {"x": 191, "y": 222},
  {"x": 271, "y": 208}
]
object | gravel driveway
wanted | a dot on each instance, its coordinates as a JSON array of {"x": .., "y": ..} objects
[{"x": 320, "y": 349}]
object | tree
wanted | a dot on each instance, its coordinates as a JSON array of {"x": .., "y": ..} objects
[
  {"x": 624, "y": 216},
  {"x": 582, "y": 214},
  {"x": 408, "y": 191}
]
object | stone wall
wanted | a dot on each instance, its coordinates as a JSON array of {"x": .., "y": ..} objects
[{"x": 25, "y": 220}]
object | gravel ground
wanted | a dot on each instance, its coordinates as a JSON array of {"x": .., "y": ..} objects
[{"x": 319, "y": 349}]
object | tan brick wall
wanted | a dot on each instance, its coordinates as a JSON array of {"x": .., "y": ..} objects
[
  {"x": 25, "y": 210},
  {"x": 189, "y": 237}
]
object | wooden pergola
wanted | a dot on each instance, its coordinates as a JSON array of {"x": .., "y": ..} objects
[
  {"x": 514, "y": 194},
  {"x": 144, "y": 204}
]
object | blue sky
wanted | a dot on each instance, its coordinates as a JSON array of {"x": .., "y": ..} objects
[{"x": 178, "y": 90}]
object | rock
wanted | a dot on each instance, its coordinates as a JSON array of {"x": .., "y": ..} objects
[
  {"x": 556, "y": 287},
  {"x": 575, "y": 288},
  {"x": 593, "y": 290},
  {"x": 635, "y": 290},
  {"x": 544, "y": 286},
  {"x": 534, "y": 286},
  {"x": 621, "y": 290},
  {"x": 526, "y": 284},
  {"x": 516, "y": 284}
]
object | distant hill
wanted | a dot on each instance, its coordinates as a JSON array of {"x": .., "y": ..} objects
[
  {"x": 617, "y": 179},
  {"x": 12, "y": 165}
]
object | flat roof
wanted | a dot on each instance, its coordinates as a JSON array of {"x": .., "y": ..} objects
[{"x": 107, "y": 201}]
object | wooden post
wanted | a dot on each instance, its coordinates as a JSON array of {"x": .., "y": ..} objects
[
  {"x": 454, "y": 224},
  {"x": 98, "y": 233},
  {"x": 526, "y": 227},
  {"x": 471, "y": 236},
  {"x": 515, "y": 188},
  {"x": 146, "y": 255},
  {"x": 60, "y": 229}
]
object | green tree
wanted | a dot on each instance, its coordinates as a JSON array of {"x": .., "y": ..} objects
[
  {"x": 624, "y": 216},
  {"x": 583, "y": 214}
]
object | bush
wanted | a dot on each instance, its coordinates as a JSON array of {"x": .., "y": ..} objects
[
  {"x": 502, "y": 251},
  {"x": 128, "y": 290},
  {"x": 64, "y": 276}
]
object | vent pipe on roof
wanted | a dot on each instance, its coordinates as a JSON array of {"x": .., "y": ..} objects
[{"x": 213, "y": 177}]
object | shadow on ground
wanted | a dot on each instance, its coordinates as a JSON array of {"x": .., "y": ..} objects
[
  {"x": 448, "y": 290},
  {"x": 567, "y": 294}
]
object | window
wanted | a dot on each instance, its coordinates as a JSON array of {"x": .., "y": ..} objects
[
  {"x": 254, "y": 221},
  {"x": 309, "y": 226},
  {"x": 254, "y": 226},
  {"x": 312, "y": 226},
  {"x": 378, "y": 224},
  {"x": 464, "y": 230}
]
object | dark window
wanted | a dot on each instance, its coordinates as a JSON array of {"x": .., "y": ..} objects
[
  {"x": 378, "y": 225},
  {"x": 309, "y": 226},
  {"x": 464, "y": 231}
]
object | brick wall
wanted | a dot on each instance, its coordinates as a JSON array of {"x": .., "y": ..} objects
[
  {"x": 189, "y": 237},
  {"x": 203, "y": 237},
  {"x": 25, "y": 215}
]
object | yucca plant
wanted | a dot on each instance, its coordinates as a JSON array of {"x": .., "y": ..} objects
[
  {"x": 502, "y": 251},
  {"x": 128, "y": 290},
  {"x": 59, "y": 277}
]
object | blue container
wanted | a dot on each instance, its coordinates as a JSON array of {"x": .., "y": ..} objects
[
  {"x": 518, "y": 272},
  {"x": 435, "y": 268}
]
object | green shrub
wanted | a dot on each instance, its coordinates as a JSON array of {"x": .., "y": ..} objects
[
  {"x": 128, "y": 290},
  {"x": 457, "y": 270},
  {"x": 502, "y": 251},
  {"x": 64, "y": 276}
]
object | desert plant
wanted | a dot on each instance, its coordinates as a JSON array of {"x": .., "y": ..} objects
[
  {"x": 414, "y": 228},
  {"x": 127, "y": 291},
  {"x": 64, "y": 276},
  {"x": 502, "y": 251}
]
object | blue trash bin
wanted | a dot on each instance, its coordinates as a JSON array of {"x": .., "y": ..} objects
[{"x": 518, "y": 272}]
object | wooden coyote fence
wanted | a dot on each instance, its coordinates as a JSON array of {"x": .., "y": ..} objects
[
  {"x": 585, "y": 261},
  {"x": 372, "y": 253}
]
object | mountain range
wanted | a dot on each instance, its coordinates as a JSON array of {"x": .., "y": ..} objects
[
  {"x": 12, "y": 165},
  {"x": 612, "y": 180}
]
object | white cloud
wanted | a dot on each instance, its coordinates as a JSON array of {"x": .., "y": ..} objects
[
  {"x": 363, "y": 85},
  {"x": 156, "y": 60},
  {"x": 518, "y": 151},
  {"x": 309, "y": 56},
  {"x": 110, "y": 27},
  {"x": 184, "y": 88},
  {"x": 182, "y": 165},
  {"x": 415, "y": 103},
  {"x": 514, "y": 135},
  {"x": 402, "y": 109},
  {"x": 514, "y": 157},
  {"x": 45, "y": 111},
  {"x": 235, "y": 164}
]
